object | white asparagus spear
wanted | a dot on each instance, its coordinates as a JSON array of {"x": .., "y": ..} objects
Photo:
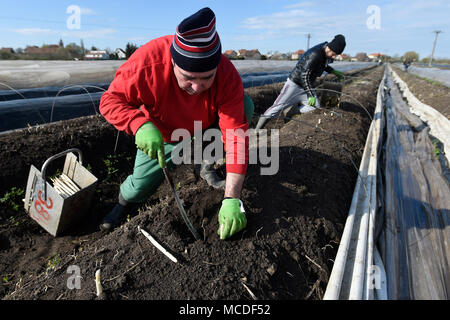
[
  {"x": 70, "y": 182},
  {"x": 58, "y": 183},
  {"x": 67, "y": 184},
  {"x": 59, "y": 189},
  {"x": 64, "y": 183},
  {"x": 98, "y": 283},
  {"x": 158, "y": 246}
]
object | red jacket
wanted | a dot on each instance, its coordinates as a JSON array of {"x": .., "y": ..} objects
[{"x": 145, "y": 89}]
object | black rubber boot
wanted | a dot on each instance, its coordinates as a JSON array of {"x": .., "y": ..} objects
[
  {"x": 113, "y": 219},
  {"x": 209, "y": 174}
]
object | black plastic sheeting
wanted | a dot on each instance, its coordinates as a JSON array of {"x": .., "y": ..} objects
[
  {"x": 51, "y": 92},
  {"x": 29, "y": 107},
  {"x": 414, "y": 241},
  {"x": 255, "y": 79},
  {"x": 21, "y": 113}
]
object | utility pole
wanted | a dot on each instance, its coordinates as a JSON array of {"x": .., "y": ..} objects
[
  {"x": 309, "y": 37},
  {"x": 83, "y": 51},
  {"x": 434, "y": 45}
]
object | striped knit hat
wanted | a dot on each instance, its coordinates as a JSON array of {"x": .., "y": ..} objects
[{"x": 196, "y": 45}]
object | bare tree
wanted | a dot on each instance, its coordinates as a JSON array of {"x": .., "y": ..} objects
[{"x": 362, "y": 56}]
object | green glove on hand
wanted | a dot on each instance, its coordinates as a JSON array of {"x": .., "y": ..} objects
[
  {"x": 232, "y": 218},
  {"x": 338, "y": 74},
  {"x": 150, "y": 141},
  {"x": 312, "y": 101}
]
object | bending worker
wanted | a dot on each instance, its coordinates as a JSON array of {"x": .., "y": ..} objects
[
  {"x": 167, "y": 84},
  {"x": 298, "y": 87}
]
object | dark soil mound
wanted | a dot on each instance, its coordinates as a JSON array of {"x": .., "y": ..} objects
[
  {"x": 428, "y": 91},
  {"x": 295, "y": 217}
]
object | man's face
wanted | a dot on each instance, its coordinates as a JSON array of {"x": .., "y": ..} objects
[
  {"x": 194, "y": 83},
  {"x": 330, "y": 53}
]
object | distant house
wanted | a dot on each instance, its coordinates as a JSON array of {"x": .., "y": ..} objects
[
  {"x": 249, "y": 54},
  {"x": 230, "y": 54},
  {"x": 120, "y": 53},
  {"x": 375, "y": 56},
  {"x": 96, "y": 55},
  {"x": 32, "y": 49},
  {"x": 280, "y": 56},
  {"x": 242, "y": 53},
  {"x": 8, "y": 50},
  {"x": 253, "y": 54},
  {"x": 342, "y": 57},
  {"x": 297, "y": 54},
  {"x": 46, "y": 49},
  {"x": 362, "y": 56}
]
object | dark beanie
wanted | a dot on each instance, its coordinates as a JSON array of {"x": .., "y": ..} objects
[
  {"x": 196, "y": 45},
  {"x": 337, "y": 44}
]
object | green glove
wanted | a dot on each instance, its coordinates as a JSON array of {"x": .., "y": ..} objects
[
  {"x": 232, "y": 218},
  {"x": 312, "y": 101},
  {"x": 150, "y": 141},
  {"x": 338, "y": 74}
]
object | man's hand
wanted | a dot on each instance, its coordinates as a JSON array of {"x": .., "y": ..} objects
[
  {"x": 150, "y": 141},
  {"x": 338, "y": 74},
  {"x": 312, "y": 101},
  {"x": 232, "y": 218}
]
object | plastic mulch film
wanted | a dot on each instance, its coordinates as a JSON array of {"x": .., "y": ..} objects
[
  {"x": 37, "y": 106},
  {"x": 416, "y": 233}
]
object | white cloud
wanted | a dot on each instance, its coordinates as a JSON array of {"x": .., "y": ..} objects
[
  {"x": 301, "y": 5},
  {"x": 405, "y": 25},
  {"x": 295, "y": 20},
  {"x": 279, "y": 20},
  {"x": 438, "y": 4},
  {"x": 414, "y": 12}
]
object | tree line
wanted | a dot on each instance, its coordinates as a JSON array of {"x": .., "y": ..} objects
[{"x": 71, "y": 51}]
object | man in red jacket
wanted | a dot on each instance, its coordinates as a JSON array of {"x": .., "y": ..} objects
[{"x": 167, "y": 84}]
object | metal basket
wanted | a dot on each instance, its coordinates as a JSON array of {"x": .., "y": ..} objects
[{"x": 64, "y": 204}]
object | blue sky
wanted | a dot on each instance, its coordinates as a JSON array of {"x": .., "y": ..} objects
[{"x": 391, "y": 27}]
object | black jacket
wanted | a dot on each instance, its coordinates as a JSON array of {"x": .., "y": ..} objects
[{"x": 310, "y": 66}]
